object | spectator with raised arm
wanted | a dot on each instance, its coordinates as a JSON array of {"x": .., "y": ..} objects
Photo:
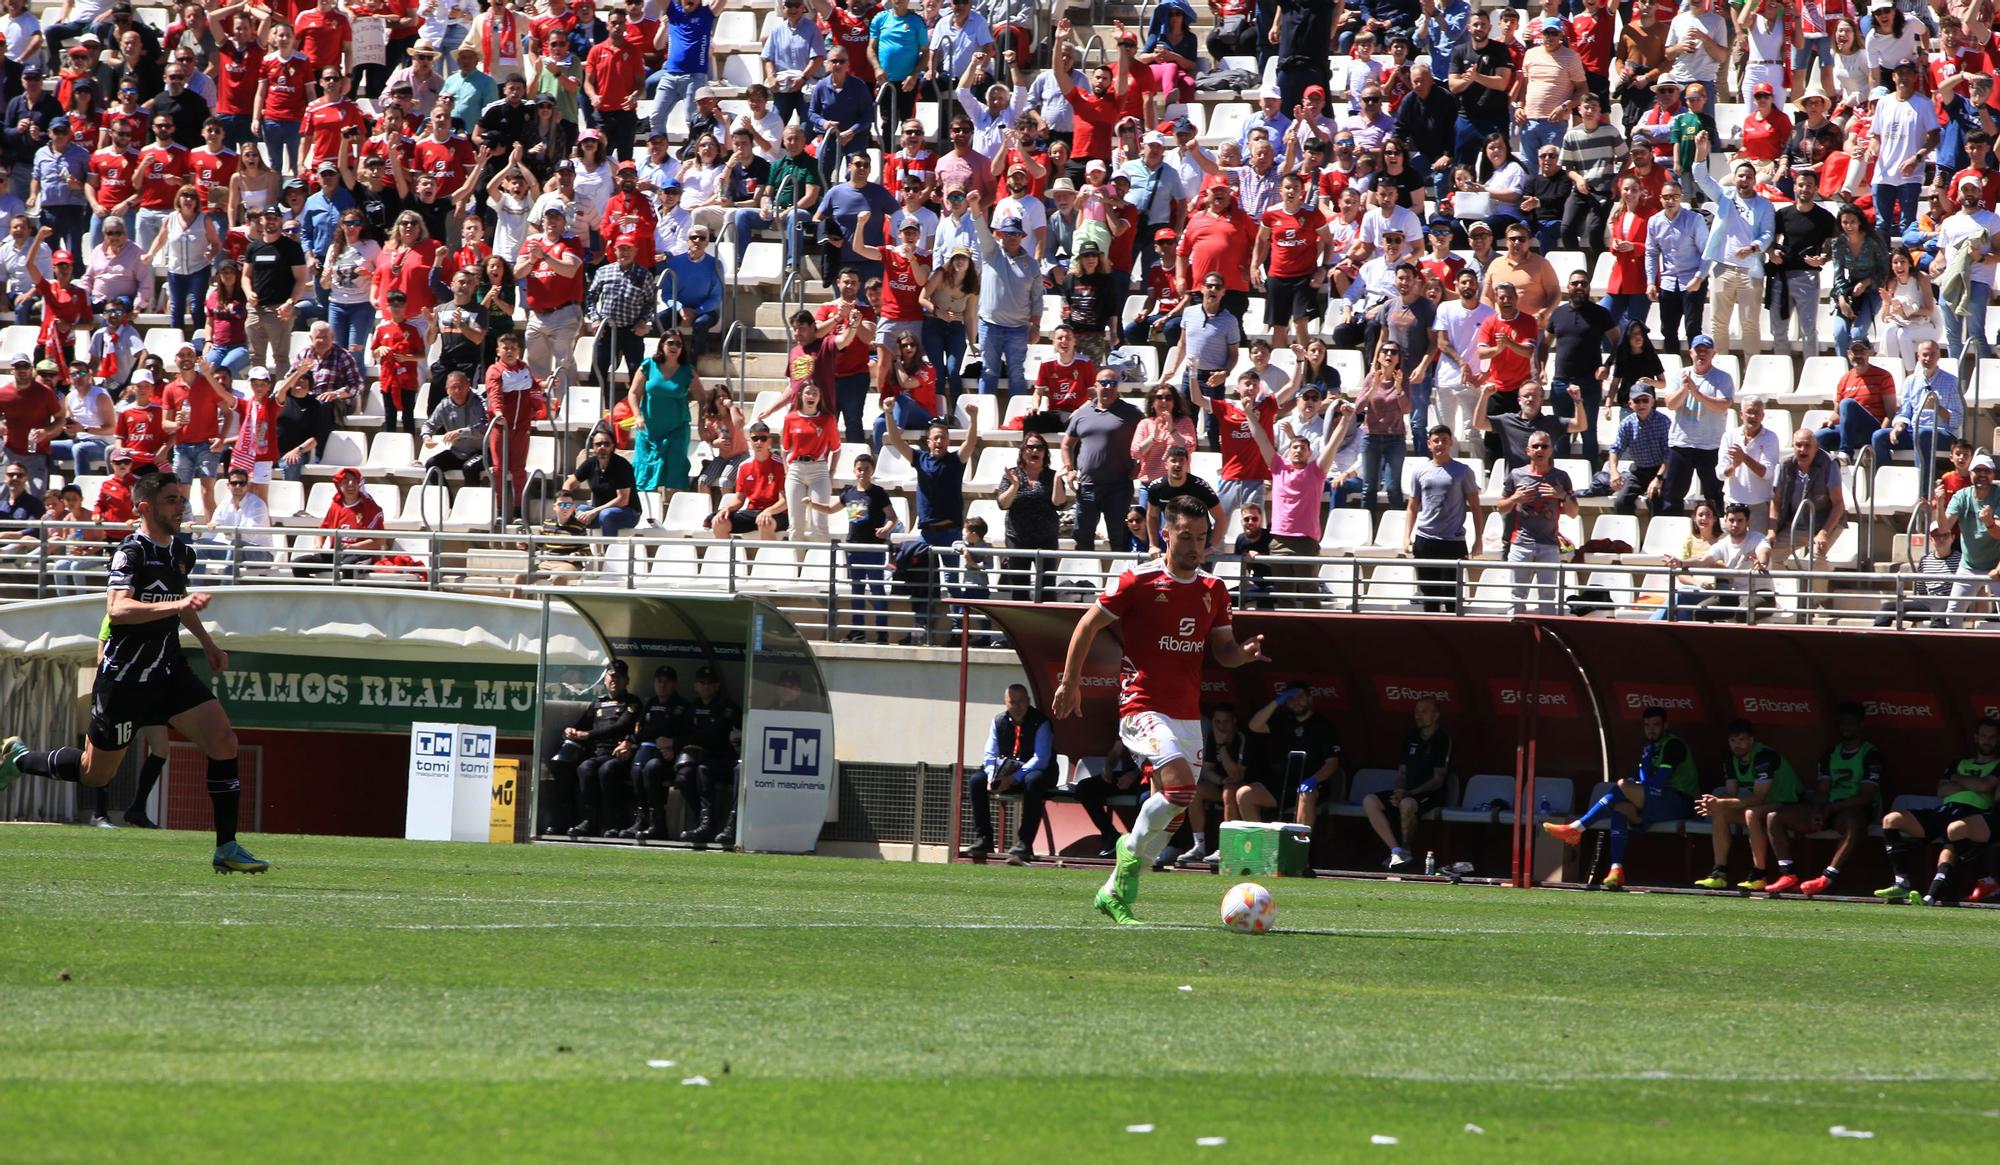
[{"x": 940, "y": 502}]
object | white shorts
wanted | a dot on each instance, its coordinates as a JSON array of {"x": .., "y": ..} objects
[{"x": 1160, "y": 740}]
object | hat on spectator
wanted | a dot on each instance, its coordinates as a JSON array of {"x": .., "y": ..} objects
[
  {"x": 956, "y": 250},
  {"x": 327, "y": 168},
  {"x": 1816, "y": 92},
  {"x": 1312, "y": 89},
  {"x": 706, "y": 674},
  {"x": 1156, "y": 138},
  {"x": 625, "y": 239},
  {"x": 912, "y": 223},
  {"x": 89, "y": 38},
  {"x": 590, "y": 135},
  {"x": 31, "y": 72},
  {"x": 1551, "y": 24},
  {"x": 704, "y": 93},
  {"x": 1011, "y": 226},
  {"x": 1021, "y": 166},
  {"x": 121, "y": 302},
  {"x": 1165, "y": 235},
  {"x": 346, "y": 473},
  {"x": 1061, "y": 186},
  {"x": 142, "y": 376},
  {"x": 1269, "y": 92},
  {"x": 1089, "y": 247},
  {"x": 1477, "y": 227},
  {"x": 62, "y": 257},
  {"x": 121, "y": 453},
  {"x": 1096, "y": 165},
  {"x": 1440, "y": 224},
  {"x": 50, "y": 366},
  {"x": 290, "y": 184},
  {"x": 1702, "y": 341},
  {"x": 627, "y": 165},
  {"x": 547, "y": 99},
  {"x": 59, "y": 125},
  {"x": 1762, "y": 89},
  {"x": 673, "y": 184},
  {"x": 1856, "y": 342},
  {"x": 1969, "y": 181},
  {"x": 21, "y": 358},
  {"x": 425, "y": 47},
  {"x": 566, "y": 164},
  {"x": 1982, "y": 461},
  {"x": 1641, "y": 388},
  {"x": 1666, "y": 83},
  {"x": 259, "y": 373},
  {"x": 1122, "y": 176}
]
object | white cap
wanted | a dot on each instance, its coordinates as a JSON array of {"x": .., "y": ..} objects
[{"x": 259, "y": 373}]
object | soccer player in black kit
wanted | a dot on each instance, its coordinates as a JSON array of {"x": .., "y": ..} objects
[
  {"x": 705, "y": 772},
  {"x": 143, "y": 679},
  {"x": 596, "y": 756},
  {"x": 662, "y": 724}
]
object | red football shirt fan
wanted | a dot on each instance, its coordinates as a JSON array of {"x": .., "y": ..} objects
[
  {"x": 212, "y": 170},
  {"x": 236, "y": 82},
  {"x": 1241, "y": 459},
  {"x": 1295, "y": 239},
  {"x": 1164, "y": 624},
  {"x": 114, "y": 173},
  {"x": 546, "y": 290},
  {"x": 1068, "y": 385},
  {"x": 760, "y": 483},
  {"x": 900, "y": 289},
  {"x": 322, "y": 34},
  {"x": 325, "y": 121},
  {"x": 614, "y": 70},
  {"x": 1509, "y": 370},
  {"x": 287, "y": 87},
  {"x": 203, "y": 408},
  {"x": 162, "y": 171},
  {"x": 140, "y": 430},
  {"x": 853, "y": 359}
]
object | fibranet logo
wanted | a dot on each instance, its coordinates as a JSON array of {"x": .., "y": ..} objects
[
  {"x": 1181, "y": 646},
  {"x": 1914, "y": 706},
  {"x": 1405, "y": 691},
  {"x": 1553, "y": 699},
  {"x": 1634, "y": 699},
  {"x": 1774, "y": 705}
]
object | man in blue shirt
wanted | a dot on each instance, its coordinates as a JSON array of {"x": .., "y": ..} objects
[
  {"x": 691, "y": 296},
  {"x": 842, "y": 107},
  {"x": 794, "y": 53},
  {"x": 899, "y": 46},
  {"x": 686, "y": 28},
  {"x": 1020, "y": 755},
  {"x": 940, "y": 502},
  {"x": 840, "y": 210},
  {"x": 1928, "y": 417}
]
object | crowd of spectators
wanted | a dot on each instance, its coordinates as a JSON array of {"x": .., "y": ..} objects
[{"x": 448, "y": 198}]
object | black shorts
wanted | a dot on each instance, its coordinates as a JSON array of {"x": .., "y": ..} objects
[
  {"x": 1935, "y": 820},
  {"x": 1425, "y": 801},
  {"x": 118, "y": 709},
  {"x": 1288, "y": 299},
  {"x": 745, "y": 521}
]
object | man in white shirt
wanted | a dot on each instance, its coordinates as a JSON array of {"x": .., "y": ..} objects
[
  {"x": 1697, "y": 44},
  {"x": 1742, "y": 549},
  {"x": 1906, "y": 137},
  {"x": 1749, "y": 464},
  {"x": 956, "y": 228},
  {"x": 1385, "y": 215},
  {"x": 1972, "y": 225},
  {"x": 23, "y": 33},
  {"x": 1453, "y": 338},
  {"x": 912, "y": 209},
  {"x": 225, "y": 538}
]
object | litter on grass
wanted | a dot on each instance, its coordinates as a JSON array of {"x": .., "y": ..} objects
[
  {"x": 1379, "y": 1139},
  {"x": 697, "y": 1081},
  {"x": 1211, "y": 1142},
  {"x": 1187, "y": 987},
  {"x": 1138, "y": 1128},
  {"x": 659, "y": 1063},
  {"x": 1853, "y": 1134},
  {"x": 1475, "y": 1130}
]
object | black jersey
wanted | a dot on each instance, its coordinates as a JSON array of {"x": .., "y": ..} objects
[
  {"x": 151, "y": 573},
  {"x": 668, "y": 718},
  {"x": 608, "y": 720},
  {"x": 711, "y": 725}
]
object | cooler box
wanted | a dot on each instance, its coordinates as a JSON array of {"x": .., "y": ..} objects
[{"x": 1266, "y": 849}]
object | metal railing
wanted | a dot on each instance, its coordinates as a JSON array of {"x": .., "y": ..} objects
[
  {"x": 863, "y": 591},
  {"x": 737, "y": 337}
]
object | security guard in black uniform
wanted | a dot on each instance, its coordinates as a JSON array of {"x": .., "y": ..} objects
[
  {"x": 595, "y": 759},
  {"x": 705, "y": 771},
  {"x": 662, "y": 725}
]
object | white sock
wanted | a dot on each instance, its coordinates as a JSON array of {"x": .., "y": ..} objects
[
  {"x": 1157, "y": 818},
  {"x": 1200, "y": 844}
]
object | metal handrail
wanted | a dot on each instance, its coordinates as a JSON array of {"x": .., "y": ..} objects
[
  {"x": 434, "y": 475},
  {"x": 1864, "y": 476},
  {"x": 1095, "y": 41},
  {"x": 739, "y": 335}
]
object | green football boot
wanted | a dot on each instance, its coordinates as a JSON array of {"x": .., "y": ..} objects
[
  {"x": 11, "y": 751},
  {"x": 1125, "y": 874},
  {"x": 1896, "y": 894},
  {"x": 1112, "y": 908},
  {"x": 234, "y": 859}
]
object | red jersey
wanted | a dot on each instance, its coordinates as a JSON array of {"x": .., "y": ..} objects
[
  {"x": 1294, "y": 241},
  {"x": 1123, "y": 242},
  {"x": 236, "y": 77},
  {"x": 614, "y": 70},
  {"x": 403, "y": 269},
  {"x": 1094, "y": 118},
  {"x": 449, "y": 161},
  {"x": 364, "y": 514},
  {"x": 257, "y": 432},
  {"x": 1591, "y": 34},
  {"x": 899, "y": 171},
  {"x": 844, "y": 28},
  {"x": 813, "y": 438},
  {"x": 1508, "y": 371},
  {"x": 853, "y": 359},
  {"x": 513, "y": 395},
  {"x": 1219, "y": 243},
  {"x": 639, "y": 34},
  {"x": 760, "y": 483},
  {"x": 114, "y": 503},
  {"x": 900, "y": 288},
  {"x": 23, "y": 409},
  {"x": 1009, "y": 158},
  {"x": 324, "y": 122},
  {"x": 212, "y": 170},
  {"x": 162, "y": 170},
  {"x": 321, "y": 36},
  {"x": 1241, "y": 459},
  {"x": 204, "y": 408},
  {"x": 635, "y": 213},
  {"x": 471, "y": 255},
  {"x": 398, "y": 376},
  {"x": 924, "y": 392},
  {"x": 1443, "y": 270},
  {"x": 1068, "y": 385},
  {"x": 404, "y": 147},
  {"x": 114, "y": 172},
  {"x": 546, "y": 290},
  {"x": 1164, "y": 624},
  {"x": 287, "y": 87},
  {"x": 135, "y": 121},
  {"x": 140, "y": 429}
]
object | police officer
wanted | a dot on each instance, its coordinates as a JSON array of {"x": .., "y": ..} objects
[
  {"x": 596, "y": 757},
  {"x": 705, "y": 771},
  {"x": 662, "y": 724}
]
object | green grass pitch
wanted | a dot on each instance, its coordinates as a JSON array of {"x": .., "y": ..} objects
[{"x": 391, "y": 1001}]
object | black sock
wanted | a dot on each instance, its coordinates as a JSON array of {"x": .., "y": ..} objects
[
  {"x": 225, "y": 793},
  {"x": 1757, "y": 874},
  {"x": 149, "y": 775},
  {"x": 1902, "y": 850},
  {"x": 61, "y": 764},
  {"x": 1942, "y": 882},
  {"x": 100, "y": 802}
]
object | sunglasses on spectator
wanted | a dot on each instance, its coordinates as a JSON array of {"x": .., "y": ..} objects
[
  {"x": 1163, "y": 396},
  {"x": 11, "y": 476},
  {"x": 239, "y": 482},
  {"x": 760, "y": 440}
]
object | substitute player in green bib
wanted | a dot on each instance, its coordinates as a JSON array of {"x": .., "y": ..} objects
[
  {"x": 1771, "y": 783},
  {"x": 1963, "y": 822},
  {"x": 1846, "y": 799}
]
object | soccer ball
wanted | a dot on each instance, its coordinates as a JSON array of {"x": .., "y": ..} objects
[{"x": 1248, "y": 909}]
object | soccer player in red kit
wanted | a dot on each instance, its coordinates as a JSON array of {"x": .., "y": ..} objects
[{"x": 1170, "y": 613}]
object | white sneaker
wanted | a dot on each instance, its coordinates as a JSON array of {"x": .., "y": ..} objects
[
  {"x": 102, "y": 823},
  {"x": 1397, "y": 860},
  {"x": 1190, "y": 858},
  {"x": 1214, "y": 856}
]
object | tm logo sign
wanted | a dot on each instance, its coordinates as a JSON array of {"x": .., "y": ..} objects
[
  {"x": 475, "y": 746},
  {"x": 434, "y": 744},
  {"x": 791, "y": 752}
]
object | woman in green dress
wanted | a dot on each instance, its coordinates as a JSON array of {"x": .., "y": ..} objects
[{"x": 659, "y": 401}]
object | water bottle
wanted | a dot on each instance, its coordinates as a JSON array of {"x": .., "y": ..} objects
[
  {"x": 1545, "y": 810},
  {"x": 1430, "y": 863}
]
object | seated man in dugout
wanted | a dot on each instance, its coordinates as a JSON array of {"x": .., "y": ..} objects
[
  {"x": 1663, "y": 789},
  {"x": 1422, "y": 777},
  {"x": 1302, "y": 755}
]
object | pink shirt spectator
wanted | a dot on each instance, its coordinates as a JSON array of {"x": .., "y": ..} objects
[
  {"x": 1295, "y": 494},
  {"x": 1150, "y": 443}
]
